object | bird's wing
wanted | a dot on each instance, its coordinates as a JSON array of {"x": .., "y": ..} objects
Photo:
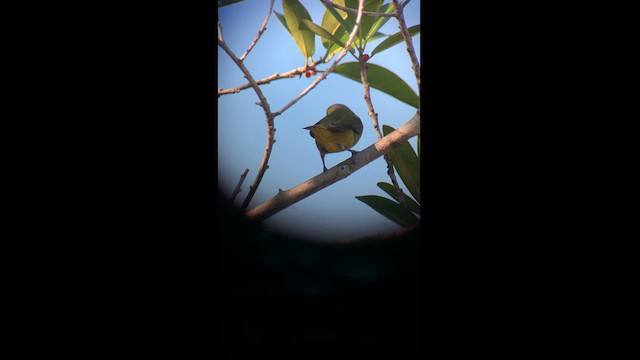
[{"x": 341, "y": 124}]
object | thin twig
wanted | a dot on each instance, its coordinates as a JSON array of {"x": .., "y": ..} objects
[
  {"x": 262, "y": 29},
  {"x": 374, "y": 117},
  {"x": 409, "y": 42},
  {"x": 286, "y": 198},
  {"x": 246, "y": 72},
  {"x": 354, "y": 11},
  {"x": 268, "y": 114},
  {"x": 267, "y": 80},
  {"x": 333, "y": 66},
  {"x": 237, "y": 189}
]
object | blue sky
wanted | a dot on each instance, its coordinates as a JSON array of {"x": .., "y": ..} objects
[{"x": 332, "y": 213}]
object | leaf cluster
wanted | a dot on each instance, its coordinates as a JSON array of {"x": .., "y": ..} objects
[
  {"x": 407, "y": 163},
  {"x": 334, "y": 31}
]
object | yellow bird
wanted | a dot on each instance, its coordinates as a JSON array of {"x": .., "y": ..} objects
[{"x": 338, "y": 131}]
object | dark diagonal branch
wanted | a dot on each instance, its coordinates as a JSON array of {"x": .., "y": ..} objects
[{"x": 239, "y": 186}]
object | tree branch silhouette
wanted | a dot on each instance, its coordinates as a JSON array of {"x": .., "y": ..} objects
[{"x": 239, "y": 185}]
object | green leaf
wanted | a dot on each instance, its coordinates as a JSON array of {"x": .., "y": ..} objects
[
  {"x": 341, "y": 24},
  {"x": 294, "y": 12},
  {"x": 282, "y": 21},
  {"x": 337, "y": 48},
  {"x": 344, "y": 38},
  {"x": 351, "y": 18},
  {"x": 394, "y": 39},
  {"x": 366, "y": 22},
  {"x": 391, "y": 190},
  {"x": 418, "y": 147},
  {"x": 390, "y": 209},
  {"x": 320, "y": 31},
  {"x": 377, "y": 36},
  {"x": 406, "y": 163},
  {"x": 347, "y": 23},
  {"x": 330, "y": 23},
  {"x": 340, "y": 16},
  {"x": 382, "y": 79},
  {"x": 356, "y": 41},
  {"x": 379, "y": 22}
]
